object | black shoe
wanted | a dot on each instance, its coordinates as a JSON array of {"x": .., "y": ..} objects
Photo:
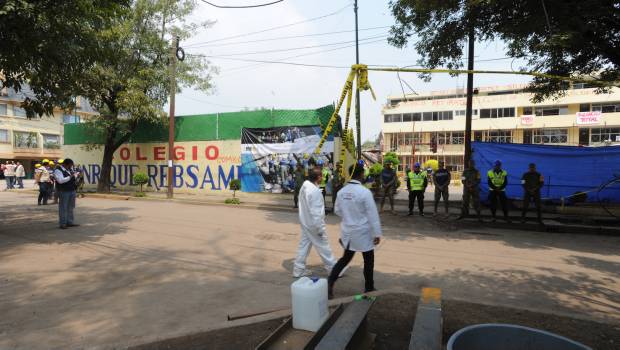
[
  {"x": 373, "y": 289},
  {"x": 421, "y": 214},
  {"x": 73, "y": 225},
  {"x": 410, "y": 213},
  {"x": 63, "y": 227}
]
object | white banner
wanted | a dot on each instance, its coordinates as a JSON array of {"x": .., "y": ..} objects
[
  {"x": 589, "y": 118},
  {"x": 527, "y": 119}
]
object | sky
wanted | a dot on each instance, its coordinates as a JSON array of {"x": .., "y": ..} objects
[{"x": 241, "y": 84}]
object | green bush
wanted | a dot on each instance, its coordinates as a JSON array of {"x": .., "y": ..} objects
[
  {"x": 375, "y": 170},
  {"x": 391, "y": 157},
  {"x": 140, "y": 194},
  {"x": 140, "y": 179},
  {"x": 235, "y": 185},
  {"x": 232, "y": 201}
]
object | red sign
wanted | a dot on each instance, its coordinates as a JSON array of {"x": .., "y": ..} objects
[{"x": 589, "y": 118}]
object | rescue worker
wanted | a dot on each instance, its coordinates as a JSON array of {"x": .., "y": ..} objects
[
  {"x": 53, "y": 191},
  {"x": 360, "y": 229},
  {"x": 441, "y": 179},
  {"x": 300, "y": 176},
  {"x": 532, "y": 182},
  {"x": 497, "y": 178},
  {"x": 66, "y": 185},
  {"x": 45, "y": 183},
  {"x": 325, "y": 175},
  {"x": 471, "y": 191},
  {"x": 312, "y": 220},
  {"x": 417, "y": 186},
  {"x": 388, "y": 180}
]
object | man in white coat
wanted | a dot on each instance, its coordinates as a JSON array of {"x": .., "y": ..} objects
[
  {"x": 360, "y": 227},
  {"x": 312, "y": 219}
]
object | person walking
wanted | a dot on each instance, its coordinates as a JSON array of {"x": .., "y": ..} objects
[
  {"x": 441, "y": 179},
  {"x": 20, "y": 174},
  {"x": 313, "y": 231},
  {"x": 9, "y": 174},
  {"x": 360, "y": 229},
  {"x": 388, "y": 181},
  {"x": 497, "y": 178},
  {"x": 417, "y": 186},
  {"x": 299, "y": 181},
  {"x": 471, "y": 190},
  {"x": 532, "y": 182},
  {"x": 65, "y": 178}
]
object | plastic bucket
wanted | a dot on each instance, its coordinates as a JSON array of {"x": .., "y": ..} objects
[{"x": 495, "y": 336}]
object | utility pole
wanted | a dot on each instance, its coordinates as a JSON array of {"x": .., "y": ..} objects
[
  {"x": 470, "y": 91},
  {"x": 173, "y": 88},
  {"x": 357, "y": 91}
]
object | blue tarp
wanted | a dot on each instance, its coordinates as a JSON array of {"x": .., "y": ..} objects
[{"x": 566, "y": 169}]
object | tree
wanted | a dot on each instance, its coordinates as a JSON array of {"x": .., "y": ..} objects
[
  {"x": 140, "y": 179},
  {"x": 235, "y": 185},
  {"x": 49, "y": 44},
  {"x": 129, "y": 84},
  {"x": 391, "y": 157},
  {"x": 547, "y": 33}
]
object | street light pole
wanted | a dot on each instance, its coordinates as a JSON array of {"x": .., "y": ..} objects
[
  {"x": 357, "y": 91},
  {"x": 173, "y": 89},
  {"x": 470, "y": 93}
]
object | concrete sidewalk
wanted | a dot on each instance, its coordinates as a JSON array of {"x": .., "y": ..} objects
[{"x": 137, "y": 271}]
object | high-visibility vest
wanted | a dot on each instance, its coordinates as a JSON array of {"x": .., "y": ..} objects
[
  {"x": 324, "y": 177},
  {"x": 497, "y": 180},
  {"x": 416, "y": 181}
]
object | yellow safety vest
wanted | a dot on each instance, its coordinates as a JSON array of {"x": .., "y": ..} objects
[
  {"x": 497, "y": 180},
  {"x": 325, "y": 175},
  {"x": 416, "y": 181}
]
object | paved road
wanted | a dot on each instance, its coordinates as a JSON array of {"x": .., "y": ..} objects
[{"x": 136, "y": 271}]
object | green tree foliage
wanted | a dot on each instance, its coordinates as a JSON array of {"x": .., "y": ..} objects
[
  {"x": 375, "y": 170},
  {"x": 391, "y": 157},
  {"x": 140, "y": 179},
  {"x": 49, "y": 44},
  {"x": 560, "y": 37},
  {"x": 235, "y": 185},
  {"x": 129, "y": 84}
]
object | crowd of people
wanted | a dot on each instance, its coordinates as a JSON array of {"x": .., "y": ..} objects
[{"x": 14, "y": 174}]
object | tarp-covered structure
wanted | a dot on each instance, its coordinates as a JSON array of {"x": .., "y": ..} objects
[{"x": 567, "y": 170}]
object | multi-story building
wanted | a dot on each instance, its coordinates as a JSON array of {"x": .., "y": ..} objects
[
  {"x": 30, "y": 140},
  {"x": 412, "y": 123}
]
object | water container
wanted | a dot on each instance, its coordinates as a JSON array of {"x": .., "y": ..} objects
[
  {"x": 494, "y": 336},
  {"x": 309, "y": 303}
]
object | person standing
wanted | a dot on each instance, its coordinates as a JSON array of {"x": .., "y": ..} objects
[
  {"x": 65, "y": 178},
  {"x": 299, "y": 181},
  {"x": 497, "y": 178},
  {"x": 417, "y": 186},
  {"x": 313, "y": 231},
  {"x": 53, "y": 190},
  {"x": 441, "y": 179},
  {"x": 20, "y": 174},
  {"x": 471, "y": 190},
  {"x": 360, "y": 229},
  {"x": 44, "y": 182},
  {"x": 532, "y": 182},
  {"x": 324, "y": 178},
  {"x": 388, "y": 180},
  {"x": 9, "y": 175}
]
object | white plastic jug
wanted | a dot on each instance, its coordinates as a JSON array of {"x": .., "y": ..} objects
[{"x": 309, "y": 303}]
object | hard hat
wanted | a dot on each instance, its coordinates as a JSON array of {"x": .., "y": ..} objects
[
  {"x": 51, "y": 163},
  {"x": 37, "y": 165},
  {"x": 45, "y": 160},
  {"x": 60, "y": 161},
  {"x": 498, "y": 163},
  {"x": 416, "y": 165},
  {"x": 320, "y": 162}
]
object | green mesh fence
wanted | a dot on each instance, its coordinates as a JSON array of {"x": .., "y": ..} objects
[{"x": 208, "y": 127}]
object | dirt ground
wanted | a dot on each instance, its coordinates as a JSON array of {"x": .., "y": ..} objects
[
  {"x": 138, "y": 271},
  {"x": 392, "y": 318}
]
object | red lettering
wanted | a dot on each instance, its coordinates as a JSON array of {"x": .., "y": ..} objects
[
  {"x": 194, "y": 152},
  {"x": 159, "y": 153},
  {"x": 212, "y": 152},
  {"x": 125, "y": 153},
  {"x": 138, "y": 155},
  {"x": 179, "y": 155}
]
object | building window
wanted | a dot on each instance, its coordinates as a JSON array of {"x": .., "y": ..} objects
[
  {"x": 607, "y": 107},
  {"x": 3, "y": 109},
  {"x": 51, "y": 141},
  {"x": 388, "y": 118},
  {"x": 25, "y": 139},
  {"x": 442, "y": 138},
  {"x": 407, "y": 117},
  {"x": 427, "y": 116},
  {"x": 478, "y": 136},
  {"x": 497, "y": 112},
  {"x": 604, "y": 134},
  {"x": 500, "y": 136},
  {"x": 584, "y": 107},
  {"x": 458, "y": 138},
  {"x": 462, "y": 112},
  {"x": 578, "y": 86},
  {"x": 553, "y": 110},
  {"x": 19, "y": 112},
  {"x": 4, "y": 136},
  {"x": 554, "y": 136}
]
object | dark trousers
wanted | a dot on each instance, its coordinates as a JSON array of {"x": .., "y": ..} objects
[
  {"x": 419, "y": 194},
  {"x": 369, "y": 266},
  {"x": 470, "y": 195},
  {"x": 43, "y": 192},
  {"x": 503, "y": 201},
  {"x": 531, "y": 196},
  {"x": 296, "y": 196},
  {"x": 388, "y": 192},
  {"x": 439, "y": 193}
]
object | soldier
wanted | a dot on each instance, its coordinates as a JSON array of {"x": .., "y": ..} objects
[
  {"x": 471, "y": 192},
  {"x": 532, "y": 182},
  {"x": 497, "y": 178}
]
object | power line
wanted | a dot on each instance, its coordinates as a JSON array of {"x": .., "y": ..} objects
[
  {"x": 382, "y": 36},
  {"x": 274, "y": 28},
  {"x": 197, "y": 45},
  {"x": 273, "y": 62},
  {"x": 241, "y": 7}
]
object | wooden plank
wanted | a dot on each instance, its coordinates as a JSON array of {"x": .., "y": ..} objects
[{"x": 427, "y": 329}]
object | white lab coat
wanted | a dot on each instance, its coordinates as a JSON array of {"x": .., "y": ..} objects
[
  {"x": 313, "y": 233},
  {"x": 360, "y": 219}
]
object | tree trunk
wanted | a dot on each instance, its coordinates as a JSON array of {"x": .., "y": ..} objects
[{"x": 106, "y": 166}]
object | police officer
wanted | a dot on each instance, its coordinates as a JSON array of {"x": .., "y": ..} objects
[
  {"x": 497, "y": 179},
  {"x": 418, "y": 181},
  {"x": 471, "y": 191},
  {"x": 532, "y": 182}
]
